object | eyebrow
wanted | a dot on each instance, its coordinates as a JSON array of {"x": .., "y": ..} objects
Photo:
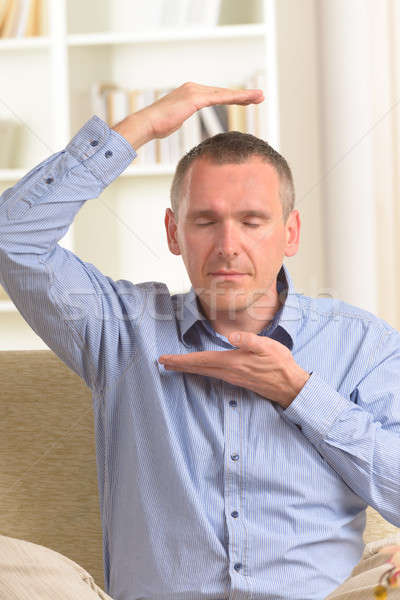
[{"x": 211, "y": 213}]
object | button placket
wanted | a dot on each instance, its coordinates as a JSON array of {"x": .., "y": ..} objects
[{"x": 233, "y": 474}]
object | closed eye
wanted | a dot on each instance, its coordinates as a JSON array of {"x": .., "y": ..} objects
[{"x": 212, "y": 222}]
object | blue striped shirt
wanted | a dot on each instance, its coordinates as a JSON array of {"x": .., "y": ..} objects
[{"x": 208, "y": 491}]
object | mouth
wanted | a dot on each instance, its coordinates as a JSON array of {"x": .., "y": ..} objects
[{"x": 228, "y": 275}]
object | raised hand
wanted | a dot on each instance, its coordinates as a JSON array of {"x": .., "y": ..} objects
[{"x": 167, "y": 114}]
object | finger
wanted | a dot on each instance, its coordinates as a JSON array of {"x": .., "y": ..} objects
[
  {"x": 256, "y": 100},
  {"x": 232, "y": 96},
  {"x": 195, "y": 370},
  {"x": 185, "y": 364},
  {"x": 233, "y": 377},
  {"x": 207, "y": 358},
  {"x": 216, "y": 95},
  {"x": 207, "y": 372}
]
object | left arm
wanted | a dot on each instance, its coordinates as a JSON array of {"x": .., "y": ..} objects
[{"x": 359, "y": 437}]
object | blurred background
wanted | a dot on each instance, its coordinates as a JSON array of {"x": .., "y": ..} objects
[{"x": 330, "y": 71}]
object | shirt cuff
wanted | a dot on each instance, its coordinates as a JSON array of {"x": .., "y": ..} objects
[
  {"x": 102, "y": 150},
  {"x": 316, "y": 407}
]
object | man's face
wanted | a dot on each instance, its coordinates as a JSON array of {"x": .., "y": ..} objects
[{"x": 229, "y": 237}]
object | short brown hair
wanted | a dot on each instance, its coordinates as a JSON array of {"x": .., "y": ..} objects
[{"x": 235, "y": 147}]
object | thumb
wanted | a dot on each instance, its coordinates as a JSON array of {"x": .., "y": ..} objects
[
  {"x": 235, "y": 337},
  {"x": 244, "y": 339},
  {"x": 247, "y": 341}
]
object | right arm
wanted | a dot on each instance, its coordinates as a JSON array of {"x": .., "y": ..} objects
[
  {"x": 70, "y": 304},
  {"x": 61, "y": 297}
]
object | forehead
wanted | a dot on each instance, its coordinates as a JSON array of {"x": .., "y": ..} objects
[{"x": 249, "y": 186}]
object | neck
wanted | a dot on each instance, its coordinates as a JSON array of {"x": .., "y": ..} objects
[{"x": 254, "y": 317}]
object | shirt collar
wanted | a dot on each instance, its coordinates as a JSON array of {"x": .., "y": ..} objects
[{"x": 283, "y": 327}]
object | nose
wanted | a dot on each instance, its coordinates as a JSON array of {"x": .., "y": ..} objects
[{"x": 228, "y": 240}]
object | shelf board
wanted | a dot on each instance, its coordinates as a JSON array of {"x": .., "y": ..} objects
[
  {"x": 140, "y": 170},
  {"x": 168, "y": 35},
  {"x": 6, "y": 306},
  {"x": 134, "y": 171},
  {"x": 30, "y": 43}
]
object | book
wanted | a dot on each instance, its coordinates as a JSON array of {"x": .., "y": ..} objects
[
  {"x": 260, "y": 111},
  {"x": 169, "y": 148},
  {"x": 211, "y": 120},
  {"x": 10, "y": 19},
  {"x": 113, "y": 103},
  {"x": 5, "y": 6},
  {"x": 21, "y": 22},
  {"x": 20, "y": 18},
  {"x": 191, "y": 132},
  {"x": 32, "y": 26},
  {"x": 237, "y": 116},
  {"x": 118, "y": 105},
  {"x": 148, "y": 151},
  {"x": 251, "y": 116},
  {"x": 164, "y": 147},
  {"x": 99, "y": 99}
]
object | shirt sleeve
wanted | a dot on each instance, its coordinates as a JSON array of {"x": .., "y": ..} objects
[
  {"x": 359, "y": 435},
  {"x": 62, "y": 298}
]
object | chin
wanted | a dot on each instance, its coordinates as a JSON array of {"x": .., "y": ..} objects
[{"x": 230, "y": 300}]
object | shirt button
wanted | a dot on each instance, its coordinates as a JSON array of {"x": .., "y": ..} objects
[
  {"x": 232, "y": 403},
  {"x": 235, "y": 513},
  {"x": 49, "y": 180},
  {"x": 108, "y": 154},
  {"x": 237, "y": 566},
  {"x": 235, "y": 456},
  {"x": 94, "y": 143}
]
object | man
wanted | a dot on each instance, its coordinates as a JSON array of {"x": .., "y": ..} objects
[{"x": 228, "y": 468}]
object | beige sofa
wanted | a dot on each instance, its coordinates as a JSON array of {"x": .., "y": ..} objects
[{"x": 49, "y": 492}]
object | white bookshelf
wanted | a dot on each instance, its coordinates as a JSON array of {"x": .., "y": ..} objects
[
  {"x": 48, "y": 92},
  {"x": 167, "y": 35}
]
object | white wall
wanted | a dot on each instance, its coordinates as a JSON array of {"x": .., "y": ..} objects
[
  {"x": 300, "y": 135},
  {"x": 359, "y": 85},
  {"x": 310, "y": 128}
]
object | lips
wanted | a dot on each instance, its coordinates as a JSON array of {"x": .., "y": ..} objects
[
  {"x": 228, "y": 275},
  {"x": 226, "y": 272}
]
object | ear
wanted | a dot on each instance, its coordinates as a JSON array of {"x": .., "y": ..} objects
[
  {"x": 292, "y": 232},
  {"x": 171, "y": 228}
]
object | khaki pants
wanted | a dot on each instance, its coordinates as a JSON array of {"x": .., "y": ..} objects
[
  {"x": 365, "y": 576},
  {"x": 32, "y": 572}
]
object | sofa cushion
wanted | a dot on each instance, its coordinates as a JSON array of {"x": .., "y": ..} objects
[{"x": 48, "y": 485}]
